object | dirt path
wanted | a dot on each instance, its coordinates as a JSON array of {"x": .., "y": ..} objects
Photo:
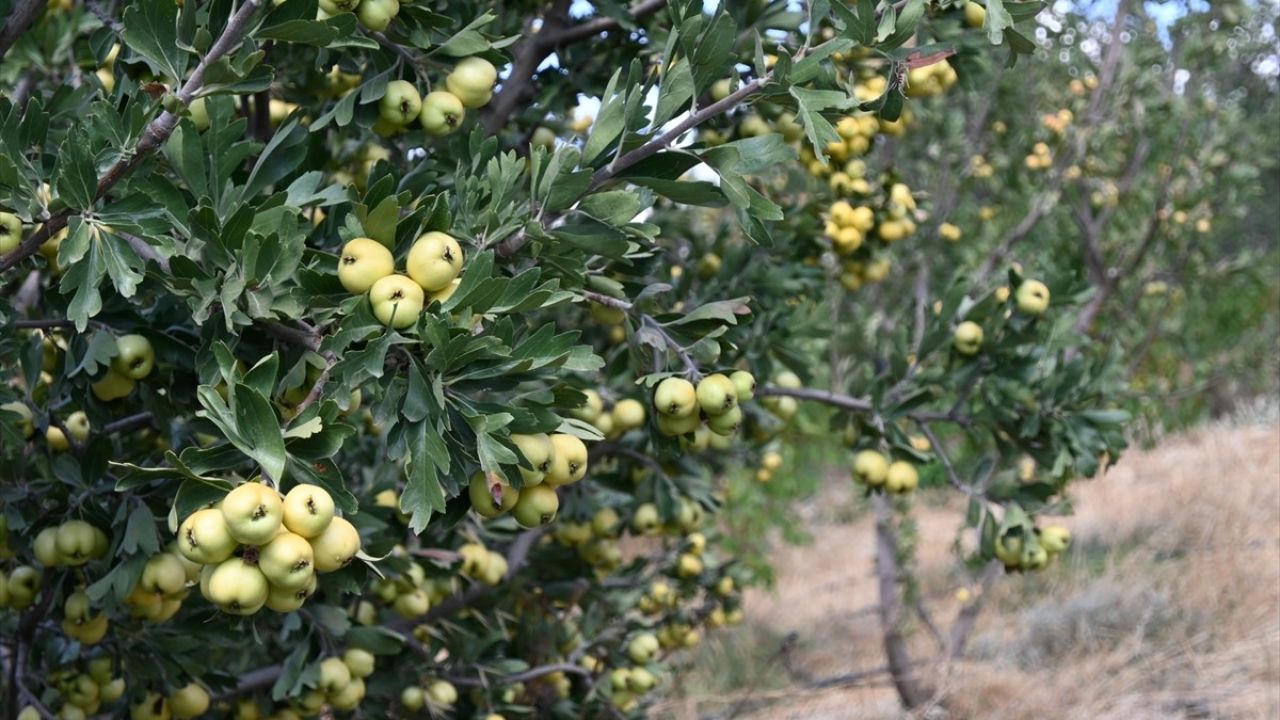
[{"x": 1168, "y": 605}]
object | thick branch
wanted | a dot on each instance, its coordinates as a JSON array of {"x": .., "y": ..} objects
[
  {"x": 555, "y": 31},
  {"x": 126, "y": 424},
  {"x": 895, "y": 645},
  {"x": 526, "y": 676},
  {"x": 602, "y": 299},
  {"x": 20, "y": 18}
]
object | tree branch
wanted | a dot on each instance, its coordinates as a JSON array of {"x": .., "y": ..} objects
[
  {"x": 895, "y": 645},
  {"x": 527, "y": 675},
  {"x": 555, "y": 31},
  {"x": 602, "y": 299},
  {"x": 127, "y": 424},
  {"x": 24, "y": 13},
  {"x": 153, "y": 137}
]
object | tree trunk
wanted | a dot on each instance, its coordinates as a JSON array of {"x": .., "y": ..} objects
[{"x": 909, "y": 689}]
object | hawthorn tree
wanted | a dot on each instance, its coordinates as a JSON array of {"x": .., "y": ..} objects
[{"x": 349, "y": 370}]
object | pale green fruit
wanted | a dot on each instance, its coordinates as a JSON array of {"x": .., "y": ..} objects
[
  {"x": 442, "y": 113},
  {"x": 901, "y": 477},
  {"x": 362, "y": 263},
  {"x": 968, "y": 338},
  {"x": 360, "y": 662},
  {"x": 45, "y": 547},
  {"x": 237, "y": 587},
  {"x": 308, "y": 510},
  {"x": 10, "y": 232},
  {"x": 490, "y": 495},
  {"x": 569, "y": 460},
  {"x": 377, "y": 14},
  {"x": 412, "y": 604},
  {"x": 1055, "y": 539},
  {"x": 646, "y": 520},
  {"x": 334, "y": 674},
  {"x": 643, "y": 648},
  {"x": 413, "y": 698},
  {"x": 336, "y": 546},
  {"x": 1032, "y": 297},
  {"x": 717, "y": 395},
  {"x": 152, "y": 707},
  {"x": 136, "y": 357},
  {"x": 628, "y": 414},
  {"x": 284, "y": 600},
  {"x": 472, "y": 81},
  {"x": 253, "y": 513},
  {"x": 348, "y": 697},
  {"x": 870, "y": 467},
  {"x": 744, "y": 383},
  {"x": 75, "y": 542},
  {"x": 163, "y": 575},
  {"x": 434, "y": 261},
  {"x": 112, "y": 386},
  {"x": 288, "y": 561},
  {"x": 401, "y": 103},
  {"x": 726, "y": 423},
  {"x": 537, "y": 506},
  {"x": 397, "y": 301},
  {"x": 539, "y": 452},
  {"x": 205, "y": 538},
  {"x": 189, "y": 701},
  {"x": 442, "y": 693},
  {"x": 26, "y": 419},
  {"x": 675, "y": 397}
]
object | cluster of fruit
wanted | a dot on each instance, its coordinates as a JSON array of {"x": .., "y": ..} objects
[
  {"x": 1058, "y": 122},
  {"x": 613, "y": 422},
  {"x": 980, "y": 168},
  {"x": 341, "y": 682},
  {"x": 1081, "y": 86},
  {"x": 366, "y": 266},
  {"x": 134, "y": 361},
  {"x": 469, "y": 86},
  {"x": 1040, "y": 157},
  {"x": 784, "y": 406},
  {"x": 873, "y": 469},
  {"x": 282, "y": 544},
  {"x": 83, "y": 693},
  {"x": 19, "y": 589},
  {"x": 437, "y": 695},
  {"x": 162, "y": 586},
  {"x": 373, "y": 14},
  {"x": 770, "y": 463},
  {"x": 71, "y": 544},
  {"x": 552, "y": 461},
  {"x": 409, "y": 595},
  {"x": 482, "y": 564},
  {"x": 1031, "y": 298},
  {"x": 1022, "y": 551},
  {"x": 931, "y": 80},
  {"x": 79, "y": 621},
  {"x": 682, "y": 407}
]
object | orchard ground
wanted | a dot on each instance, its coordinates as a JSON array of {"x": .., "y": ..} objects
[{"x": 1167, "y": 606}]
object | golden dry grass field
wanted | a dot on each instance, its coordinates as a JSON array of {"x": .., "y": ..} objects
[{"x": 1167, "y": 606}]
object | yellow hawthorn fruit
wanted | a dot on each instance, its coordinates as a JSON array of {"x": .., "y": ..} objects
[
  {"x": 871, "y": 467},
  {"x": 362, "y": 263},
  {"x": 968, "y": 338},
  {"x": 472, "y": 81},
  {"x": 434, "y": 261},
  {"x": 569, "y": 460},
  {"x": 538, "y": 451},
  {"x": 397, "y": 301},
  {"x": 308, "y": 510},
  {"x": 490, "y": 495},
  {"x": 901, "y": 477},
  {"x": 442, "y": 113},
  {"x": 253, "y": 513},
  {"x": 1032, "y": 297},
  {"x": 336, "y": 546}
]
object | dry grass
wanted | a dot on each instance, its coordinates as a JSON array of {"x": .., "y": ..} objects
[{"x": 1168, "y": 606}]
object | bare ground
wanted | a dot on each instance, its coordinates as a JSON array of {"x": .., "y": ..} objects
[{"x": 1167, "y": 606}]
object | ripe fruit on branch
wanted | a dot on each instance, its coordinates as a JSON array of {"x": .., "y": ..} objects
[
  {"x": 536, "y": 506},
  {"x": 336, "y": 546},
  {"x": 397, "y": 301},
  {"x": 288, "y": 561},
  {"x": 871, "y": 468},
  {"x": 75, "y": 542},
  {"x": 136, "y": 358},
  {"x": 1055, "y": 539},
  {"x": 538, "y": 451},
  {"x": 568, "y": 462},
  {"x": 400, "y": 104},
  {"x": 1032, "y": 297},
  {"x": 253, "y": 513},
  {"x": 442, "y": 113},
  {"x": 362, "y": 263},
  {"x": 237, "y": 587},
  {"x": 676, "y": 398},
  {"x": 204, "y": 537},
  {"x": 901, "y": 477},
  {"x": 491, "y": 496},
  {"x": 472, "y": 81},
  {"x": 189, "y": 701},
  {"x": 434, "y": 261},
  {"x": 10, "y": 232},
  {"x": 308, "y": 510},
  {"x": 377, "y": 14},
  {"x": 968, "y": 338},
  {"x": 717, "y": 394},
  {"x": 112, "y": 386}
]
